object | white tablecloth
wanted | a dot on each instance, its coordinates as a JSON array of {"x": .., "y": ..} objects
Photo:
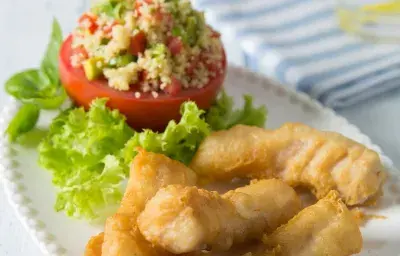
[{"x": 24, "y": 28}]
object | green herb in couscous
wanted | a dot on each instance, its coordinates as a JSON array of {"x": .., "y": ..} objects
[{"x": 155, "y": 46}]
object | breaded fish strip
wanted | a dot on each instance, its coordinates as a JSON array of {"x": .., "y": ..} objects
[
  {"x": 326, "y": 228},
  {"x": 296, "y": 153},
  {"x": 149, "y": 172},
  {"x": 185, "y": 219},
  {"x": 93, "y": 247}
]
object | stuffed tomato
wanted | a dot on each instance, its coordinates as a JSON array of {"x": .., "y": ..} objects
[{"x": 146, "y": 56}]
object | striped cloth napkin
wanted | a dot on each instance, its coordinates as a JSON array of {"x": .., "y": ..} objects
[{"x": 299, "y": 43}]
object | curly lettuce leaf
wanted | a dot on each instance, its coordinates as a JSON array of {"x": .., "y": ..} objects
[
  {"x": 222, "y": 114},
  {"x": 179, "y": 141},
  {"x": 89, "y": 153},
  {"x": 81, "y": 150}
]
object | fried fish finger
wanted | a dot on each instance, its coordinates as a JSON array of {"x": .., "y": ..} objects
[
  {"x": 149, "y": 172},
  {"x": 93, "y": 247},
  {"x": 185, "y": 219},
  {"x": 296, "y": 153},
  {"x": 326, "y": 228}
]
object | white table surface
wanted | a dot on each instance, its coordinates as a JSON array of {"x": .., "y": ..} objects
[{"x": 24, "y": 28}]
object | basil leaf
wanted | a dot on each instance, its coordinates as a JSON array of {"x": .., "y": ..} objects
[
  {"x": 41, "y": 87},
  {"x": 24, "y": 121},
  {"x": 49, "y": 64},
  {"x": 53, "y": 98},
  {"x": 26, "y": 84},
  {"x": 34, "y": 87}
]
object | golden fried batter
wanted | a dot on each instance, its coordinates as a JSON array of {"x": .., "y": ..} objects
[
  {"x": 93, "y": 247},
  {"x": 185, "y": 219},
  {"x": 326, "y": 228},
  {"x": 296, "y": 153},
  {"x": 149, "y": 172}
]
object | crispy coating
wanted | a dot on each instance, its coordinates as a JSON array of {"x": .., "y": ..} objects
[
  {"x": 123, "y": 238},
  {"x": 149, "y": 172},
  {"x": 326, "y": 228},
  {"x": 93, "y": 247},
  {"x": 296, "y": 153},
  {"x": 185, "y": 219}
]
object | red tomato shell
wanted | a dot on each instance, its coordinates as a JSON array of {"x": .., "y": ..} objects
[{"x": 143, "y": 112}]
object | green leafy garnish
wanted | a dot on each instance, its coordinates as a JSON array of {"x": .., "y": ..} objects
[
  {"x": 40, "y": 87},
  {"x": 26, "y": 85},
  {"x": 23, "y": 121},
  {"x": 34, "y": 87},
  {"x": 82, "y": 152},
  {"x": 89, "y": 153},
  {"x": 222, "y": 114},
  {"x": 49, "y": 64},
  {"x": 179, "y": 141}
]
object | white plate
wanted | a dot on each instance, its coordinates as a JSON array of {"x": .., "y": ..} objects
[{"x": 32, "y": 195}]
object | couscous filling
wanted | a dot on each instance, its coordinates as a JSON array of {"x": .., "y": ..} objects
[{"x": 147, "y": 46}]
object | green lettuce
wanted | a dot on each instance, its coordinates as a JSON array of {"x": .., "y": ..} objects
[
  {"x": 179, "y": 141},
  {"x": 222, "y": 115},
  {"x": 80, "y": 151},
  {"x": 88, "y": 153}
]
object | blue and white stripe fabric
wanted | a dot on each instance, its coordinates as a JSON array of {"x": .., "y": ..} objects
[{"x": 299, "y": 43}]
